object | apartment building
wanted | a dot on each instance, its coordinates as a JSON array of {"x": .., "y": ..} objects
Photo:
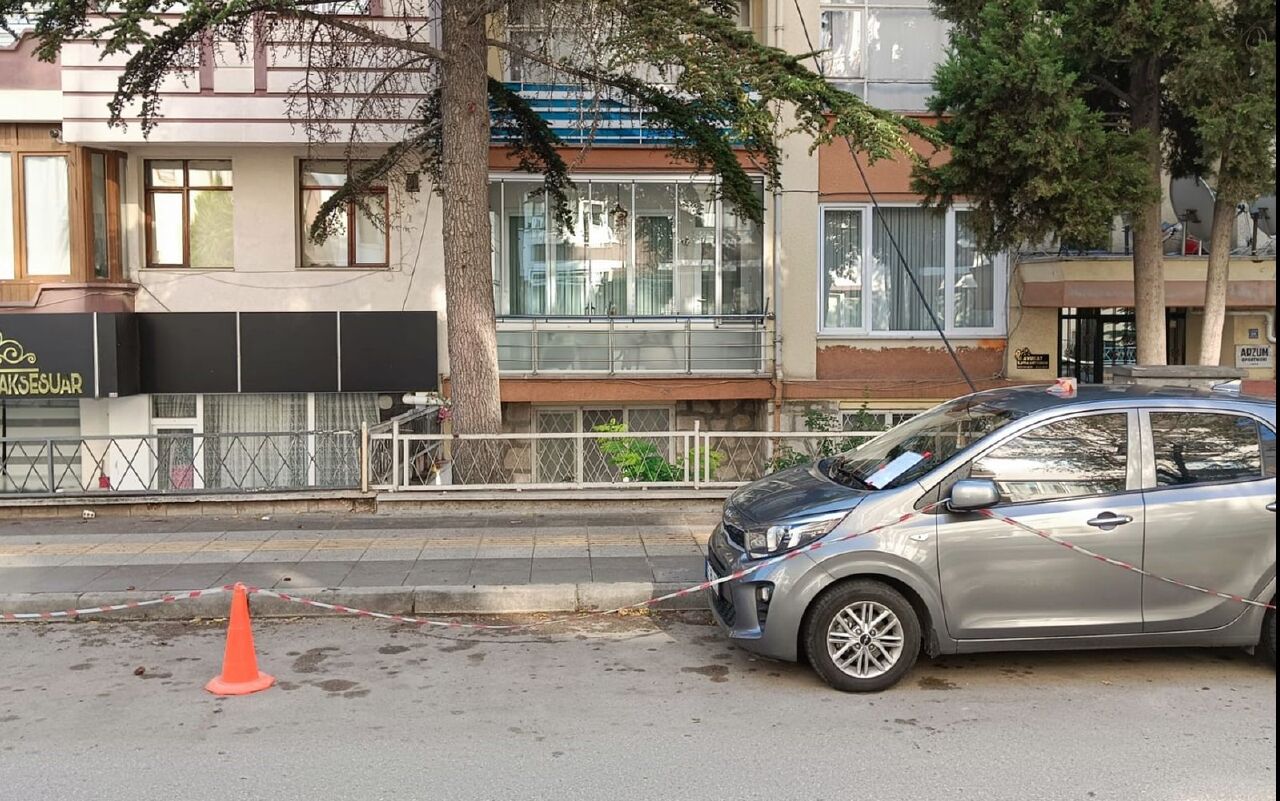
[{"x": 165, "y": 284}]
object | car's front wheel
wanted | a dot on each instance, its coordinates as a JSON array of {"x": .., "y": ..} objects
[{"x": 862, "y": 636}]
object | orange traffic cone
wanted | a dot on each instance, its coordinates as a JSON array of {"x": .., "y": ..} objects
[{"x": 240, "y": 674}]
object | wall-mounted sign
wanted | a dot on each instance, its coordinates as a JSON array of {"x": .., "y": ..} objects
[
  {"x": 77, "y": 355},
  {"x": 1026, "y": 360},
  {"x": 1254, "y": 356},
  {"x": 21, "y": 375}
]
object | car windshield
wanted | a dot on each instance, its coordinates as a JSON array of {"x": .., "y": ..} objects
[{"x": 908, "y": 451}]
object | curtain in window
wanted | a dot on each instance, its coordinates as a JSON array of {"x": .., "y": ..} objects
[
  {"x": 975, "y": 280},
  {"x": 921, "y": 236},
  {"x": 236, "y": 461},
  {"x": 655, "y": 226},
  {"x": 48, "y": 215},
  {"x": 694, "y": 280},
  {"x": 606, "y": 237},
  {"x": 842, "y": 265},
  {"x": 338, "y": 419},
  {"x": 840, "y": 38}
]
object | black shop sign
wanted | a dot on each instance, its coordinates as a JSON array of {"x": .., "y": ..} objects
[{"x": 1026, "y": 360}]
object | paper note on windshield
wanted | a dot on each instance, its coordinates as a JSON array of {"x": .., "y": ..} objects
[{"x": 893, "y": 469}]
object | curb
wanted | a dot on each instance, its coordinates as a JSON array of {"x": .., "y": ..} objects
[{"x": 421, "y": 601}]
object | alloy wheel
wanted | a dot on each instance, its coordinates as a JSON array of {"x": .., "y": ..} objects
[{"x": 865, "y": 639}]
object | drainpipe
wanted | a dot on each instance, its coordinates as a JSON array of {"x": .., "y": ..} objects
[
  {"x": 777, "y": 314},
  {"x": 777, "y": 266}
]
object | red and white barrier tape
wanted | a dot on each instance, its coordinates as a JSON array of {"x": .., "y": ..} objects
[
  {"x": 706, "y": 585},
  {"x": 94, "y": 610},
  {"x": 1121, "y": 563}
]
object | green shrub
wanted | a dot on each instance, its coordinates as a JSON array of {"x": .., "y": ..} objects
[{"x": 640, "y": 460}]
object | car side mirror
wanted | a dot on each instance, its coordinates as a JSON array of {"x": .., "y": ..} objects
[{"x": 973, "y": 493}]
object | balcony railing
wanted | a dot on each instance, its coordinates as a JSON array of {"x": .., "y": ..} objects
[
  {"x": 577, "y": 115},
  {"x": 611, "y": 345}
]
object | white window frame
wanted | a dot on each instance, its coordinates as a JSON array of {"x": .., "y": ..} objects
[
  {"x": 869, "y": 231},
  {"x": 860, "y": 84},
  {"x": 193, "y": 424}
]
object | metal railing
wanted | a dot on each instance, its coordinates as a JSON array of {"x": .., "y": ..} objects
[
  {"x": 611, "y": 345},
  {"x": 396, "y": 458},
  {"x": 595, "y": 459},
  {"x": 184, "y": 462}
]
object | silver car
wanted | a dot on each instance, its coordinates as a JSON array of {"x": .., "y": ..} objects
[{"x": 1179, "y": 483}]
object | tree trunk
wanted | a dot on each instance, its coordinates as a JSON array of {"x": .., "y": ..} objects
[
  {"x": 1215, "y": 285},
  {"x": 468, "y": 279},
  {"x": 1148, "y": 240}
]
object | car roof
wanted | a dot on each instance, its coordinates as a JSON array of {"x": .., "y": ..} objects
[{"x": 1037, "y": 397}]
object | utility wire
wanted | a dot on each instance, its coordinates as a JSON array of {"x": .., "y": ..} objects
[{"x": 875, "y": 203}]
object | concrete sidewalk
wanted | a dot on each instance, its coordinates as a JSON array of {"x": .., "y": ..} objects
[{"x": 401, "y": 564}]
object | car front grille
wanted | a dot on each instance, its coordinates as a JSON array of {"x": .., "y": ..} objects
[{"x": 723, "y": 608}]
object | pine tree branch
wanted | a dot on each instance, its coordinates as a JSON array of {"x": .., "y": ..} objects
[
  {"x": 367, "y": 34},
  {"x": 1111, "y": 88}
]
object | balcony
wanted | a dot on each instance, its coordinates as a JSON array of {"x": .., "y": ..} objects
[
  {"x": 577, "y": 115},
  {"x": 729, "y": 345}
]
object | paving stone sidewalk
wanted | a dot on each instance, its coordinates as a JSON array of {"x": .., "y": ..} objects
[{"x": 349, "y": 551}]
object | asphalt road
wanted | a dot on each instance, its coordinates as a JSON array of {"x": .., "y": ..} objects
[{"x": 634, "y": 708}]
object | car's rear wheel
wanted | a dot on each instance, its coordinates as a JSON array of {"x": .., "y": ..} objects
[
  {"x": 1268, "y": 644},
  {"x": 862, "y": 636}
]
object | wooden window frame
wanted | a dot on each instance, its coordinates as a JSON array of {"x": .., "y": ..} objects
[
  {"x": 148, "y": 191},
  {"x": 113, "y": 173},
  {"x": 352, "y": 211},
  {"x": 17, "y": 167}
]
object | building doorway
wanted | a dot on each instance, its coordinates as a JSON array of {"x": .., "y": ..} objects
[{"x": 1092, "y": 341}]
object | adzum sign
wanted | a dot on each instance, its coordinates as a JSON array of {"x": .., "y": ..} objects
[{"x": 66, "y": 355}]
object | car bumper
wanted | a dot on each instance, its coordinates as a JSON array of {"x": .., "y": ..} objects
[{"x": 769, "y": 628}]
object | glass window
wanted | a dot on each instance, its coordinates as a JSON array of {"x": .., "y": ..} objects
[
  {"x": 919, "y": 444},
  {"x": 921, "y": 237},
  {"x": 190, "y": 214},
  {"x": 840, "y": 38},
  {"x": 1268, "y": 438},
  {"x": 634, "y": 248},
  {"x": 48, "y": 215},
  {"x": 940, "y": 253},
  {"x": 975, "y": 289},
  {"x": 253, "y": 441},
  {"x": 842, "y": 268},
  {"x": 98, "y": 213},
  {"x": 524, "y": 211},
  {"x": 359, "y": 234},
  {"x": 882, "y": 50},
  {"x": 1073, "y": 458},
  {"x": 904, "y": 44},
  {"x": 8, "y": 258},
  {"x": 173, "y": 406},
  {"x": 1200, "y": 448},
  {"x": 741, "y": 262}
]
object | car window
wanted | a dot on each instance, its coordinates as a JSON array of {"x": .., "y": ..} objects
[
  {"x": 1198, "y": 448},
  {"x": 1268, "y": 438},
  {"x": 1072, "y": 458}
]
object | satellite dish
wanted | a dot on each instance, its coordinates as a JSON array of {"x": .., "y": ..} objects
[
  {"x": 1192, "y": 201},
  {"x": 1264, "y": 211}
]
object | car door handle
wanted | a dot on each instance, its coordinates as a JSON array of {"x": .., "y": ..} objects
[{"x": 1107, "y": 521}]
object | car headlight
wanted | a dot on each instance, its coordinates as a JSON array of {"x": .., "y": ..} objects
[{"x": 792, "y": 533}]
